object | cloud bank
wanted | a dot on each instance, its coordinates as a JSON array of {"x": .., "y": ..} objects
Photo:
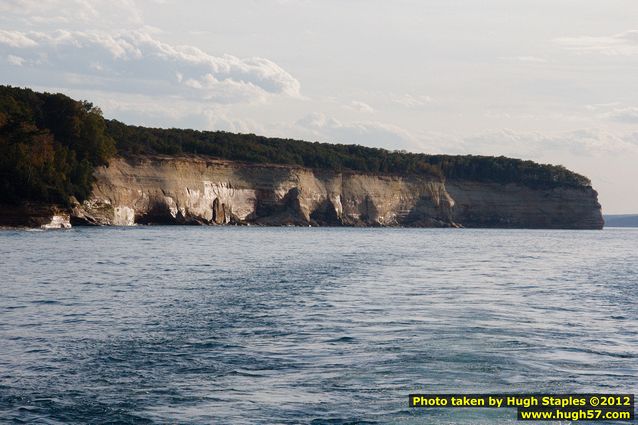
[
  {"x": 135, "y": 61},
  {"x": 622, "y": 44},
  {"x": 369, "y": 133},
  {"x": 71, "y": 12}
]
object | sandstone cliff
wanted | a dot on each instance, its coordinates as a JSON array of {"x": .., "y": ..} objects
[
  {"x": 199, "y": 190},
  {"x": 481, "y": 204}
]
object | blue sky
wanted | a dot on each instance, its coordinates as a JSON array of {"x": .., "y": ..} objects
[{"x": 553, "y": 81}]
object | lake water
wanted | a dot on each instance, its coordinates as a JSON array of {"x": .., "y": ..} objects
[{"x": 308, "y": 325}]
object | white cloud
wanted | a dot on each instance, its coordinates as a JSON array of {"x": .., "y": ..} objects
[
  {"x": 217, "y": 119},
  {"x": 628, "y": 115},
  {"x": 71, "y": 12},
  {"x": 615, "y": 111},
  {"x": 359, "y": 106},
  {"x": 601, "y": 106},
  {"x": 16, "y": 39},
  {"x": 536, "y": 145},
  {"x": 525, "y": 59},
  {"x": 381, "y": 135},
  {"x": 157, "y": 111},
  {"x": 622, "y": 44},
  {"x": 15, "y": 60},
  {"x": 135, "y": 61},
  {"x": 411, "y": 101}
]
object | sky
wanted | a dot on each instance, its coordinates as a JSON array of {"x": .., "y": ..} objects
[{"x": 554, "y": 81}]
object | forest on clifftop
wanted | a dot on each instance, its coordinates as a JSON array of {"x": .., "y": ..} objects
[{"x": 50, "y": 145}]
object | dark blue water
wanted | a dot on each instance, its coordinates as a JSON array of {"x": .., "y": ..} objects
[{"x": 290, "y": 325}]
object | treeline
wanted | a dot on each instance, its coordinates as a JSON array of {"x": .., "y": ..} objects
[
  {"x": 50, "y": 145},
  {"x": 338, "y": 157},
  {"x": 266, "y": 150},
  {"x": 506, "y": 170}
]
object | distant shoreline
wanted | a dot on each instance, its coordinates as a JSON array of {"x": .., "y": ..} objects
[{"x": 621, "y": 220}]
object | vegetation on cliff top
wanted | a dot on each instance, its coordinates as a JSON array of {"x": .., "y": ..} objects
[
  {"x": 339, "y": 157},
  {"x": 50, "y": 143},
  {"x": 49, "y": 146}
]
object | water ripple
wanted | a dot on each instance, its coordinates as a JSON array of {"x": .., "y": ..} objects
[{"x": 245, "y": 325}]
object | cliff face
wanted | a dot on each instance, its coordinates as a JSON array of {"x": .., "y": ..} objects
[
  {"x": 480, "y": 204},
  {"x": 195, "y": 190},
  {"x": 199, "y": 190}
]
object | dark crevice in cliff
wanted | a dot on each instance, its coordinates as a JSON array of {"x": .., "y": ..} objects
[
  {"x": 158, "y": 213},
  {"x": 325, "y": 215}
]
